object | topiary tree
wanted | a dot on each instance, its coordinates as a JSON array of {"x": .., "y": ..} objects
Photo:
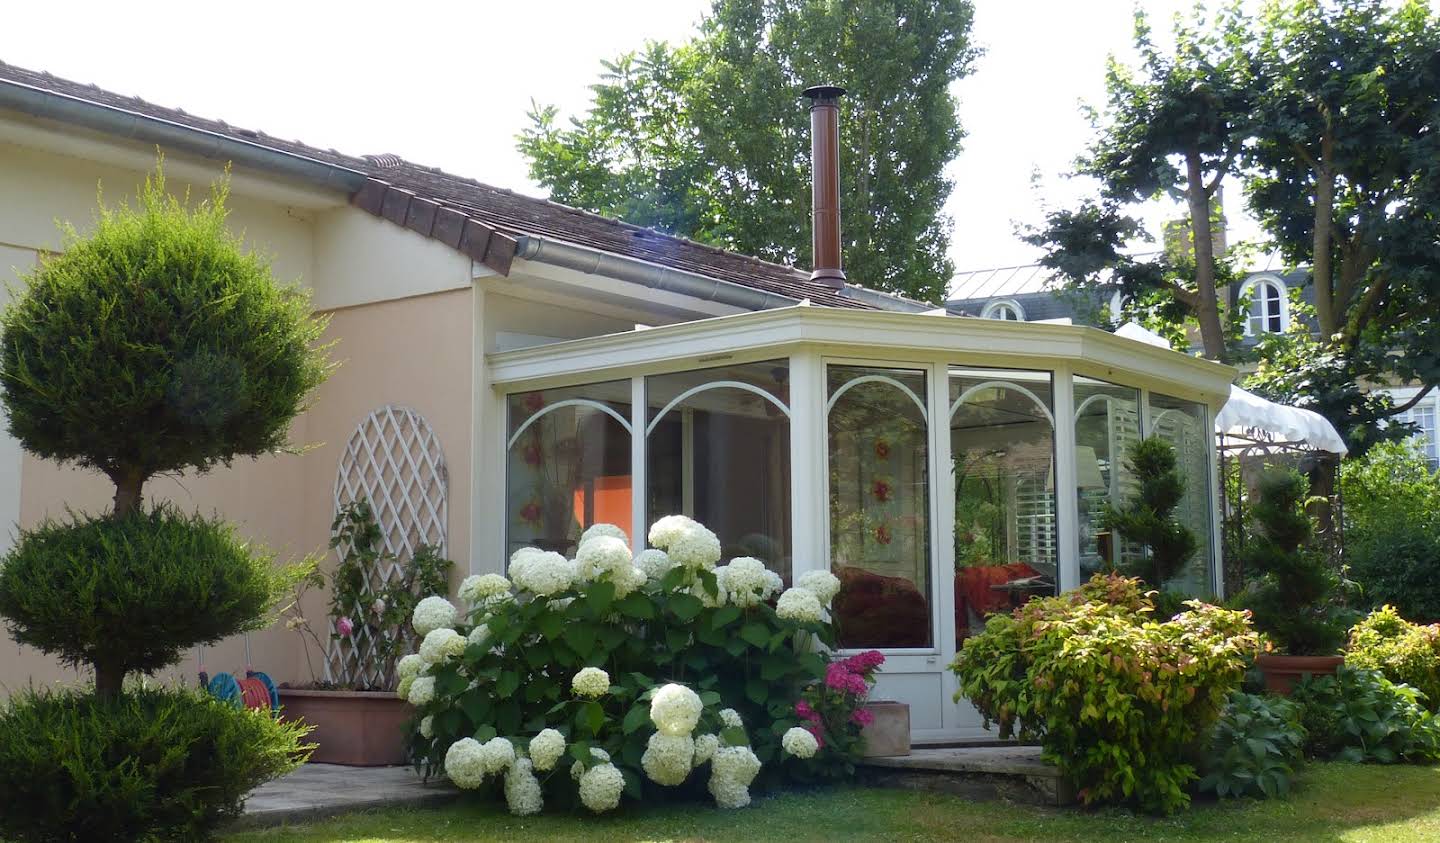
[
  {"x": 1293, "y": 601},
  {"x": 1148, "y": 517},
  {"x": 156, "y": 344}
]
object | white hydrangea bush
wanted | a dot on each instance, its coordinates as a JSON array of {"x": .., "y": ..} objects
[{"x": 589, "y": 679}]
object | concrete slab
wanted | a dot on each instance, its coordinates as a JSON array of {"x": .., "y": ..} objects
[
  {"x": 1014, "y": 773},
  {"x": 316, "y": 791}
]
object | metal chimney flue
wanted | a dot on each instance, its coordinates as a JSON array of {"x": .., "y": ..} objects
[{"x": 825, "y": 184}]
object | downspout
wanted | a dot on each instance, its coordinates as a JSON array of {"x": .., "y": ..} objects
[
  {"x": 651, "y": 275},
  {"x": 49, "y": 105}
]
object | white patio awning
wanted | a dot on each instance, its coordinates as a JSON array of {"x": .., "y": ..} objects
[{"x": 1249, "y": 416}]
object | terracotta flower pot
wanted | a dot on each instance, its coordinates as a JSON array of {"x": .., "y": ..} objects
[
  {"x": 889, "y": 733},
  {"x": 354, "y": 728},
  {"x": 1282, "y": 672}
]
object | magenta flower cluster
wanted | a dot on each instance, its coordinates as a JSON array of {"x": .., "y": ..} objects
[{"x": 836, "y": 707}]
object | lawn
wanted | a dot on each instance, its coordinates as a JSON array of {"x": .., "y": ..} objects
[{"x": 1336, "y": 802}]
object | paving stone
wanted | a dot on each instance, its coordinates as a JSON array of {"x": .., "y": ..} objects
[
  {"x": 316, "y": 791},
  {"x": 1013, "y": 773}
]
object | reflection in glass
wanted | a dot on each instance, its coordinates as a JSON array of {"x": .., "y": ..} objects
[
  {"x": 1002, "y": 444},
  {"x": 1183, "y": 424},
  {"x": 721, "y": 455},
  {"x": 879, "y": 506},
  {"x": 567, "y": 464},
  {"x": 1107, "y": 423}
]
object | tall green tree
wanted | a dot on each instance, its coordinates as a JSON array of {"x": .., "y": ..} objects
[
  {"x": 710, "y": 139},
  {"x": 1172, "y": 127},
  {"x": 1346, "y": 178}
]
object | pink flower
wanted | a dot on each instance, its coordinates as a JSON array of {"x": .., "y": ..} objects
[
  {"x": 838, "y": 677},
  {"x": 803, "y": 709},
  {"x": 344, "y": 626},
  {"x": 862, "y": 662},
  {"x": 862, "y": 717},
  {"x": 814, "y": 729}
]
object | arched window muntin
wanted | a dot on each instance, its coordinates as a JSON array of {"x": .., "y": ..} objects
[
  {"x": 1268, "y": 308},
  {"x": 1003, "y": 309}
]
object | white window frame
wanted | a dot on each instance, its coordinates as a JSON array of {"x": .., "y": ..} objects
[
  {"x": 992, "y": 309},
  {"x": 1250, "y": 288},
  {"x": 1430, "y": 402}
]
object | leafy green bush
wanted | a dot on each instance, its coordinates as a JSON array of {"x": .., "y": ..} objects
[
  {"x": 1359, "y": 715},
  {"x": 1392, "y": 529},
  {"x": 152, "y": 765},
  {"x": 1294, "y": 600},
  {"x": 1116, "y": 699},
  {"x": 1255, "y": 748},
  {"x": 1403, "y": 651},
  {"x": 1148, "y": 518},
  {"x": 575, "y": 650},
  {"x": 131, "y": 592}
]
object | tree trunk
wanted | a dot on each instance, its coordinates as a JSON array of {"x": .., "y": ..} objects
[
  {"x": 109, "y": 678},
  {"x": 1207, "y": 306},
  {"x": 1324, "y": 223},
  {"x": 127, "y": 492}
]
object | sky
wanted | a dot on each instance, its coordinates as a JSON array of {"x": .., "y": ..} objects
[{"x": 449, "y": 84}]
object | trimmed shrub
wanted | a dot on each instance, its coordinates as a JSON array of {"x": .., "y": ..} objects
[
  {"x": 1116, "y": 700},
  {"x": 1148, "y": 517},
  {"x": 132, "y": 592},
  {"x": 1360, "y": 716},
  {"x": 1294, "y": 600},
  {"x": 1255, "y": 748},
  {"x": 576, "y": 656},
  {"x": 1404, "y": 652},
  {"x": 152, "y": 765}
]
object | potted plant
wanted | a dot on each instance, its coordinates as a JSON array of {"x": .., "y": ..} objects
[
  {"x": 1294, "y": 600},
  {"x": 358, "y": 719}
]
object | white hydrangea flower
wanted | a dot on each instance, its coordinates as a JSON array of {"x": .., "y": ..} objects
[
  {"x": 601, "y": 786},
  {"x": 603, "y": 556},
  {"x": 774, "y": 583},
  {"x": 696, "y": 548},
  {"x": 705, "y": 747},
  {"x": 597, "y": 530},
  {"x": 499, "y": 754},
  {"x": 427, "y": 727},
  {"x": 799, "y": 742},
  {"x": 519, "y": 559},
  {"x": 823, "y": 584},
  {"x": 675, "y": 709},
  {"x": 484, "y": 589},
  {"x": 522, "y": 789},
  {"x": 431, "y": 614},
  {"x": 799, "y": 604},
  {"x": 409, "y": 666},
  {"x": 627, "y": 581},
  {"x": 733, "y": 768},
  {"x": 422, "y": 690},
  {"x": 479, "y": 635},
  {"x": 709, "y": 599},
  {"x": 731, "y": 718},
  {"x": 543, "y": 573},
  {"x": 590, "y": 682},
  {"x": 442, "y": 645},
  {"x": 654, "y": 562},
  {"x": 465, "y": 763},
  {"x": 668, "y": 758},
  {"x": 666, "y": 530},
  {"x": 744, "y": 580},
  {"x": 546, "y": 749},
  {"x": 403, "y": 689}
]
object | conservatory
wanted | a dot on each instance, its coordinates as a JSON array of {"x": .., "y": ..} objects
[{"x": 942, "y": 467}]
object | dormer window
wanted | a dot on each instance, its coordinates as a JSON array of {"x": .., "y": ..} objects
[
  {"x": 1007, "y": 309},
  {"x": 1269, "y": 307}
]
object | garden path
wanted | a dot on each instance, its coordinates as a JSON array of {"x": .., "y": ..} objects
[{"x": 316, "y": 791}]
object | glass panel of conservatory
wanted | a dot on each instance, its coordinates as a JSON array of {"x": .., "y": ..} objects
[
  {"x": 718, "y": 450},
  {"x": 879, "y": 506},
  {"x": 567, "y": 464},
  {"x": 1183, "y": 424},
  {"x": 1107, "y": 423},
  {"x": 1002, "y": 445}
]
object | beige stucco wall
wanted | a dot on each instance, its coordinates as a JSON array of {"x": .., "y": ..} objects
[{"x": 415, "y": 350}]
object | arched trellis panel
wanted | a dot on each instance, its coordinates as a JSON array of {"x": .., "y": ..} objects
[{"x": 394, "y": 461}]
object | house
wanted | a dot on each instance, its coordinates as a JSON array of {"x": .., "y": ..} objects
[{"x": 514, "y": 370}]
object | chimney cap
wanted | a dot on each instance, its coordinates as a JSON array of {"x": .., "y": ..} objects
[{"x": 824, "y": 92}]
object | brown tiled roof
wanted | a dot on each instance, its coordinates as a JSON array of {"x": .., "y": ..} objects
[{"x": 482, "y": 221}]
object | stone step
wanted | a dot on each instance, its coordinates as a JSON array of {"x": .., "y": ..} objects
[{"x": 1009, "y": 772}]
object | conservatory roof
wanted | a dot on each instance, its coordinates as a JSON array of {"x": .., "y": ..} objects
[{"x": 878, "y": 335}]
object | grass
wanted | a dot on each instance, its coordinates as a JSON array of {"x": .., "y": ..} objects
[{"x": 1334, "y": 802}]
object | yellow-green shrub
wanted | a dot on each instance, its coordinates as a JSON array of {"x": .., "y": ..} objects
[
  {"x": 1117, "y": 700},
  {"x": 1402, "y": 651}
]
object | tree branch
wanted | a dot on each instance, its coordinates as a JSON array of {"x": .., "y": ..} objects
[{"x": 1419, "y": 396}]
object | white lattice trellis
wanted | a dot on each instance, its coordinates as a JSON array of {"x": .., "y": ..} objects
[{"x": 394, "y": 461}]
